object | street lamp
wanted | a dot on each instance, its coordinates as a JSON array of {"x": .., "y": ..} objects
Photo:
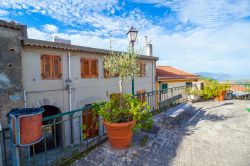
[{"x": 132, "y": 35}]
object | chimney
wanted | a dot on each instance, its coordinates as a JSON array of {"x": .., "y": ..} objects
[{"x": 149, "y": 47}]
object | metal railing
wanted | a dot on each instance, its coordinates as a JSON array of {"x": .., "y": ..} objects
[
  {"x": 238, "y": 91},
  {"x": 154, "y": 97},
  {"x": 61, "y": 142}
]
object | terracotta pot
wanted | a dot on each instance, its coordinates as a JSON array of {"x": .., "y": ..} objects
[
  {"x": 222, "y": 95},
  {"x": 217, "y": 98},
  {"x": 119, "y": 134},
  {"x": 30, "y": 129}
]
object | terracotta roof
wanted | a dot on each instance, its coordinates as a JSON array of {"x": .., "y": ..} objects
[
  {"x": 238, "y": 88},
  {"x": 170, "y": 72}
]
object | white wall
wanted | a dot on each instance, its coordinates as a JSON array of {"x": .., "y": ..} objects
[{"x": 85, "y": 90}]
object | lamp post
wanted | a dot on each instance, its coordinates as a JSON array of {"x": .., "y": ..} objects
[{"x": 132, "y": 35}]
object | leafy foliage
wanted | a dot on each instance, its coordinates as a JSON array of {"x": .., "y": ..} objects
[
  {"x": 213, "y": 88},
  {"x": 193, "y": 91},
  {"x": 130, "y": 109},
  {"x": 125, "y": 64}
]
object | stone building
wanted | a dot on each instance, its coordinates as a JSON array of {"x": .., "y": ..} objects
[{"x": 11, "y": 85}]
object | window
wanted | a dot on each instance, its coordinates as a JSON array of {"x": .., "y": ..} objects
[
  {"x": 89, "y": 68},
  {"x": 164, "y": 86},
  {"x": 188, "y": 83},
  {"x": 141, "y": 95},
  {"x": 107, "y": 74},
  {"x": 51, "y": 67},
  {"x": 142, "y": 69}
]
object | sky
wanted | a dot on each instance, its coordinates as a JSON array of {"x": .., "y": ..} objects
[{"x": 192, "y": 35}]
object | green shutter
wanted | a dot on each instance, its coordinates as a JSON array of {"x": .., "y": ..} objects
[{"x": 164, "y": 86}]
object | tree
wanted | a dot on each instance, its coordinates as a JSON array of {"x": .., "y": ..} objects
[{"x": 125, "y": 64}]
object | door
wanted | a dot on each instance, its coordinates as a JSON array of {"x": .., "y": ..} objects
[{"x": 90, "y": 124}]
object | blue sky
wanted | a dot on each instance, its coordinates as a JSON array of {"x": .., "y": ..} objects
[{"x": 193, "y": 35}]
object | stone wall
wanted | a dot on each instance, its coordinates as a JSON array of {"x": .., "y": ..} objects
[{"x": 11, "y": 35}]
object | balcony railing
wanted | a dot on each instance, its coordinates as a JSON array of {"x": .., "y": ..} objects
[{"x": 71, "y": 134}]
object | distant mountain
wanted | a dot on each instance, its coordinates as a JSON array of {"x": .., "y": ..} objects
[{"x": 216, "y": 76}]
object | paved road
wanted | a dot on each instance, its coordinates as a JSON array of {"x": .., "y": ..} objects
[{"x": 211, "y": 134}]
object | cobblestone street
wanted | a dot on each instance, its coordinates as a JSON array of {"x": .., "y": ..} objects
[{"x": 211, "y": 133}]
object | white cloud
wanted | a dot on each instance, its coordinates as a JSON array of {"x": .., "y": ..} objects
[
  {"x": 3, "y": 12},
  {"x": 50, "y": 28},
  {"x": 34, "y": 33},
  {"x": 206, "y": 13},
  {"x": 97, "y": 14},
  {"x": 218, "y": 43},
  {"x": 222, "y": 50}
]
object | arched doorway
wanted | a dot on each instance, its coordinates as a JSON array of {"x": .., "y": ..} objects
[{"x": 52, "y": 133}]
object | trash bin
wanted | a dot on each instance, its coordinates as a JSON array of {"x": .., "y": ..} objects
[{"x": 26, "y": 125}]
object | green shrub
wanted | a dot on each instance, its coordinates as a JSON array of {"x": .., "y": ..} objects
[
  {"x": 193, "y": 91},
  {"x": 212, "y": 88},
  {"x": 125, "y": 109}
]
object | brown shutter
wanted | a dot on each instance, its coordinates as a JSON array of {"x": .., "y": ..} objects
[
  {"x": 46, "y": 67},
  {"x": 144, "y": 69},
  {"x": 93, "y": 68},
  {"x": 106, "y": 72},
  {"x": 141, "y": 95},
  {"x": 42, "y": 62},
  {"x": 57, "y": 67},
  {"x": 140, "y": 74},
  {"x": 85, "y": 70}
]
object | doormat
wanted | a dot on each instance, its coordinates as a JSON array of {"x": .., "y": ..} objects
[
  {"x": 153, "y": 130},
  {"x": 248, "y": 109}
]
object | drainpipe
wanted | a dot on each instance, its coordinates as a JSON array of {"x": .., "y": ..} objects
[
  {"x": 1, "y": 136},
  {"x": 69, "y": 87},
  {"x": 25, "y": 98},
  {"x": 153, "y": 77}
]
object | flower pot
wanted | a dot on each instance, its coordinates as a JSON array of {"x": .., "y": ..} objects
[
  {"x": 119, "y": 134},
  {"x": 29, "y": 123},
  {"x": 222, "y": 95},
  {"x": 217, "y": 98},
  {"x": 193, "y": 98},
  {"x": 30, "y": 129}
]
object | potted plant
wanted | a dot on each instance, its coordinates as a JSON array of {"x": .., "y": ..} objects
[
  {"x": 123, "y": 113},
  {"x": 122, "y": 119},
  {"x": 211, "y": 88},
  {"x": 28, "y": 121},
  {"x": 193, "y": 94},
  {"x": 223, "y": 87}
]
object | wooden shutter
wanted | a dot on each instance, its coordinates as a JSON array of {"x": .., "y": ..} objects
[
  {"x": 89, "y": 124},
  {"x": 93, "y": 68},
  {"x": 46, "y": 67},
  {"x": 141, "y": 95},
  {"x": 57, "y": 67},
  {"x": 106, "y": 73},
  {"x": 142, "y": 69},
  {"x": 85, "y": 70}
]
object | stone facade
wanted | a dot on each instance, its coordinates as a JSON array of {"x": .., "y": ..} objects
[{"x": 10, "y": 66}]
